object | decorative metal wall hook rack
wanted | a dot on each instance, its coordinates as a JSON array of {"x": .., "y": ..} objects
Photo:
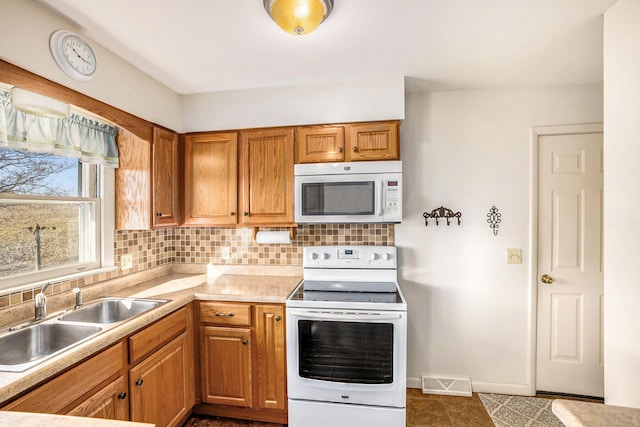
[
  {"x": 493, "y": 218},
  {"x": 441, "y": 212}
]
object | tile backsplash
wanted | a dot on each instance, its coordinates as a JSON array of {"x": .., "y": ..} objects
[{"x": 201, "y": 245}]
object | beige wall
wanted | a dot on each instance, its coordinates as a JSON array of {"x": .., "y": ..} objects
[
  {"x": 621, "y": 203},
  {"x": 24, "y": 41},
  {"x": 469, "y": 311}
]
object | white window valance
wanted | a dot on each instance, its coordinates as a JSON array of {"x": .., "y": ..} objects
[{"x": 75, "y": 136}]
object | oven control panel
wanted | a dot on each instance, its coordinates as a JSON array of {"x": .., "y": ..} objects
[{"x": 350, "y": 257}]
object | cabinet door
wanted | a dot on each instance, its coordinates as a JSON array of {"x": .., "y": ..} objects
[
  {"x": 211, "y": 166},
  {"x": 267, "y": 176},
  {"x": 133, "y": 182},
  {"x": 271, "y": 357},
  {"x": 316, "y": 144},
  {"x": 164, "y": 159},
  {"x": 159, "y": 385},
  {"x": 373, "y": 141},
  {"x": 110, "y": 403},
  {"x": 226, "y": 366}
]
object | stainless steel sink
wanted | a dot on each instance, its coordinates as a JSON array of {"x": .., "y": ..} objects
[
  {"x": 29, "y": 346},
  {"x": 111, "y": 310}
]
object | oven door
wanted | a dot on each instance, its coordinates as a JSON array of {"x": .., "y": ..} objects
[{"x": 347, "y": 356}]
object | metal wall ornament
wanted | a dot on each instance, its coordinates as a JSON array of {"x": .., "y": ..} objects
[
  {"x": 493, "y": 218},
  {"x": 441, "y": 212}
]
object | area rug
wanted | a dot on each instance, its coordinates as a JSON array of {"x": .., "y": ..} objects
[{"x": 519, "y": 411}]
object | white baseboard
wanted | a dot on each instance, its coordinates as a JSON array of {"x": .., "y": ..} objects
[{"x": 484, "y": 387}]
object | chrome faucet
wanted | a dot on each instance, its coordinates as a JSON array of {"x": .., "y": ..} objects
[
  {"x": 78, "y": 293},
  {"x": 41, "y": 303}
]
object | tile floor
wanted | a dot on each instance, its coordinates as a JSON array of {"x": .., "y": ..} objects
[{"x": 422, "y": 410}]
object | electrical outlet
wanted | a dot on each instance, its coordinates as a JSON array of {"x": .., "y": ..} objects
[
  {"x": 225, "y": 253},
  {"x": 126, "y": 261},
  {"x": 514, "y": 256}
]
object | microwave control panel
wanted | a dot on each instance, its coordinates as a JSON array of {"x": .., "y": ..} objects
[{"x": 392, "y": 198}]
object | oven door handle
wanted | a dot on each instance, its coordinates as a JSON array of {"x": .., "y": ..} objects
[{"x": 344, "y": 316}]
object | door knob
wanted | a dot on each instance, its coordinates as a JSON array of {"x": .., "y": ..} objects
[
  {"x": 546, "y": 279},
  {"x": 339, "y": 149},
  {"x": 355, "y": 149}
]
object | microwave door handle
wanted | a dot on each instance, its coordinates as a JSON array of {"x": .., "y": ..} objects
[
  {"x": 345, "y": 317},
  {"x": 379, "y": 202}
]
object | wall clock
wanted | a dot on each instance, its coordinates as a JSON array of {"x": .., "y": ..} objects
[{"x": 73, "y": 55}]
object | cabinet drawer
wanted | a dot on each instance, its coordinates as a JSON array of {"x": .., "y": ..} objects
[
  {"x": 223, "y": 313},
  {"x": 155, "y": 336}
]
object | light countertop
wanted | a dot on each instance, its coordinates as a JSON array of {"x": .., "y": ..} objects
[
  {"x": 180, "y": 289},
  {"x": 49, "y": 420},
  {"x": 586, "y": 414}
]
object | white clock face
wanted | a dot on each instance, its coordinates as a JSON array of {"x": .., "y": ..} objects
[{"x": 73, "y": 55}]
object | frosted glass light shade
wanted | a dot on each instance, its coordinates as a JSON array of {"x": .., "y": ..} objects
[
  {"x": 38, "y": 105},
  {"x": 298, "y": 16}
]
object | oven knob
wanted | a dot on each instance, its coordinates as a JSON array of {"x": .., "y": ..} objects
[
  {"x": 374, "y": 257},
  {"x": 386, "y": 256},
  {"x": 313, "y": 256},
  {"x": 325, "y": 256}
]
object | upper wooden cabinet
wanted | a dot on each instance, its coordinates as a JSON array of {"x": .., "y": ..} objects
[
  {"x": 147, "y": 180},
  {"x": 373, "y": 141},
  {"x": 317, "y": 144},
  {"x": 133, "y": 182},
  {"x": 266, "y": 176},
  {"x": 350, "y": 143},
  {"x": 211, "y": 162},
  {"x": 164, "y": 162}
]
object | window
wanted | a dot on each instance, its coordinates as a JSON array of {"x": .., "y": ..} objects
[{"x": 52, "y": 217}]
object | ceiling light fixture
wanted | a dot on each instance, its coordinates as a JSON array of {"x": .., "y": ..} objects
[{"x": 298, "y": 17}]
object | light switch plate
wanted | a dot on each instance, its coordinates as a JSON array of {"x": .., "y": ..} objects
[
  {"x": 225, "y": 253},
  {"x": 126, "y": 261},
  {"x": 514, "y": 256}
]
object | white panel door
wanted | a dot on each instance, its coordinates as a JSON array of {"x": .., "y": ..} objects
[{"x": 569, "y": 342}]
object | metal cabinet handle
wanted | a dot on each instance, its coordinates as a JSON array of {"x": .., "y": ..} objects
[
  {"x": 547, "y": 279},
  {"x": 355, "y": 149},
  {"x": 159, "y": 215},
  {"x": 245, "y": 342},
  {"x": 224, "y": 314},
  {"x": 139, "y": 382},
  {"x": 278, "y": 318},
  {"x": 122, "y": 395},
  {"x": 246, "y": 214},
  {"x": 339, "y": 149},
  {"x": 232, "y": 213}
]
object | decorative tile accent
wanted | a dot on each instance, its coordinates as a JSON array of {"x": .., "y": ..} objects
[{"x": 201, "y": 245}]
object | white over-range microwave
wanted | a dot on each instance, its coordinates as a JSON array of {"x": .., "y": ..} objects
[{"x": 355, "y": 192}]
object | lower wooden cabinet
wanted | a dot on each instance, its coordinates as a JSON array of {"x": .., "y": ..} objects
[
  {"x": 152, "y": 382},
  {"x": 271, "y": 358},
  {"x": 226, "y": 366},
  {"x": 162, "y": 382},
  {"x": 243, "y": 361},
  {"x": 150, "y": 375},
  {"x": 160, "y": 389},
  {"x": 110, "y": 403}
]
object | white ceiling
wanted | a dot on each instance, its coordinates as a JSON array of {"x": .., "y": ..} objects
[{"x": 196, "y": 46}]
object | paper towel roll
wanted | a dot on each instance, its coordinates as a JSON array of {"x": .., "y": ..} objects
[{"x": 267, "y": 237}]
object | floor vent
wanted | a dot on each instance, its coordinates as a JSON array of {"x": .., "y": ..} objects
[{"x": 449, "y": 386}]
